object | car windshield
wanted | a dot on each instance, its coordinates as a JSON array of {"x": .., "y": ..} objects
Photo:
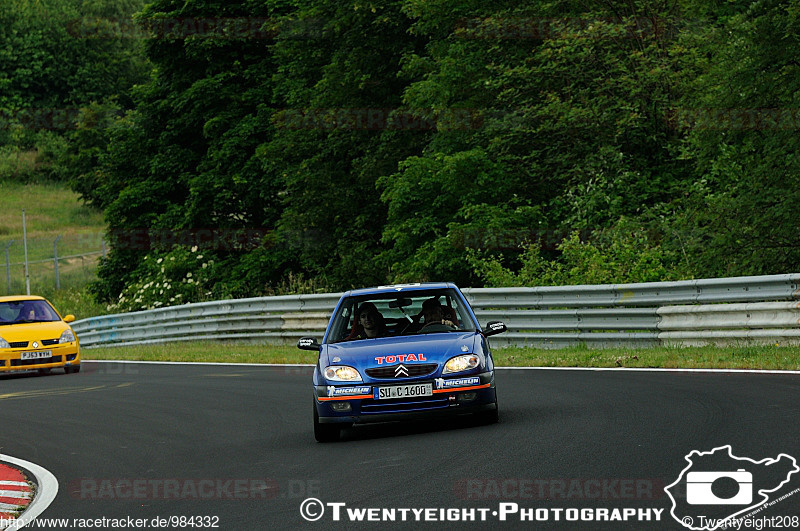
[
  {"x": 31, "y": 311},
  {"x": 400, "y": 314}
]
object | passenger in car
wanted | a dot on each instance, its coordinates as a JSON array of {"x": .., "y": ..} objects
[{"x": 369, "y": 323}]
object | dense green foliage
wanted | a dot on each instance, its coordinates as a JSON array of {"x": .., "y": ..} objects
[
  {"x": 52, "y": 63},
  {"x": 360, "y": 142}
]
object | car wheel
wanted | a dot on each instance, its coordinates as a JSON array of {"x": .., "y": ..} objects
[
  {"x": 325, "y": 432},
  {"x": 72, "y": 369},
  {"x": 44, "y": 372}
]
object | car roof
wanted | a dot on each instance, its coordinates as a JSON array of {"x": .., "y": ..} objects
[
  {"x": 399, "y": 288},
  {"x": 17, "y": 298}
]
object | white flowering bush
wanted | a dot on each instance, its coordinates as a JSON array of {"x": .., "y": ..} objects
[{"x": 178, "y": 276}]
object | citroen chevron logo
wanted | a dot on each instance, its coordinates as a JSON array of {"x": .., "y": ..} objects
[{"x": 400, "y": 371}]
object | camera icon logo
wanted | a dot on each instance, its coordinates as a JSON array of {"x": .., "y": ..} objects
[{"x": 699, "y": 489}]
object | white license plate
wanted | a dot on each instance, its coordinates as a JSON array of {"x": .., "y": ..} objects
[
  {"x": 403, "y": 391},
  {"x": 39, "y": 354}
]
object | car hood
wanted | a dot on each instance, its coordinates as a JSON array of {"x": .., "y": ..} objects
[
  {"x": 428, "y": 348},
  {"x": 32, "y": 331}
]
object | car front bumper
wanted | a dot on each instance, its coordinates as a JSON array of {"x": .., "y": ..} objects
[
  {"x": 67, "y": 354},
  {"x": 474, "y": 398}
]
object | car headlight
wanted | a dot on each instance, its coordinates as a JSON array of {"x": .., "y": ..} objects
[
  {"x": 342, "y": 373},
  {"x": 66, "y": 336},
  {"x": 4, "y": 343},
  {"x": 461, "y": 363}
]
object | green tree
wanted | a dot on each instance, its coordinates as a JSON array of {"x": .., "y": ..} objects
[
  {"x": 742, "y": 139},
  {"x": 186, "y": 160},
  {"x": 573, "y": 131},
  {"x": 338, "y": 136},
  {"x": 52, "y": 63}
]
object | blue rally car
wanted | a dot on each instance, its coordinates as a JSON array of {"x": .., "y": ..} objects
[{"x": 400, "y": 352}]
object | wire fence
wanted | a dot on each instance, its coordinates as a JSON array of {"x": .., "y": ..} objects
[{"x": 53, "y": 263}]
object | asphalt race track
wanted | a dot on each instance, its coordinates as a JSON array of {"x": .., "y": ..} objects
[{"x": 236, "y": 443}]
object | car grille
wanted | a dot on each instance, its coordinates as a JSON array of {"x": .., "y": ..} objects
[
  {"x": 413, "y": 370},
  {"x": 23, "y": 344},
  {"x": 23, "y": 363},
  {"x": 423, "y": 403}
]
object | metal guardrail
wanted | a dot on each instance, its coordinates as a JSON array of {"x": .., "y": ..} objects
[{"x": 752, "y": 309}]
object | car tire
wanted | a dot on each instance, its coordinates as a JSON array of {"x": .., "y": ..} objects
[
  {"x": 325, "y": 432},
  {"x": 489, "y": 417},
  {"x": 44, "y": 372},
  {"x": 72, "y": 369}
]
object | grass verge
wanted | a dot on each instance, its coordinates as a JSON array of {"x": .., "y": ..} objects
[
  {"x": 53, "y": 211},
  {"x": 203, "y": 352},
  {"x": 741, "y": 357}
]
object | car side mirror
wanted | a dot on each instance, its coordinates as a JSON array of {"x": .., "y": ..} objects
[
  {"x": 308, "y": 343},
  {"x": 69, "y": 318},
  {"x": 494, "y": 327}
]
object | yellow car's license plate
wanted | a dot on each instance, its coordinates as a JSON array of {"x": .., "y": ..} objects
[
  {"x": 38, "y": 354},
  {"x": 403, "y": 391}
]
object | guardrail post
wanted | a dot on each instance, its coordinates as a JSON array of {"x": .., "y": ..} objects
[
  {"x": 55, "y": 261},
  {"x": 25, "y": 245},
  {"x": 8, "y": 268}
]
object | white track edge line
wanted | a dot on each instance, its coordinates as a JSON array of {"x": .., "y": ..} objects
[
  {"x": 228, "y": 364},
  {"x": 46, "y": 490},
  {"x": 619, "y": 369}
]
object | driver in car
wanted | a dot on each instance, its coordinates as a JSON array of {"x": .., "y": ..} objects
[{"x": 434, "y": 315}]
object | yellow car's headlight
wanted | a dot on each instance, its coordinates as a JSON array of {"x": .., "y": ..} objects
[
  {"x": 342, "y": 373},
  {"x": 461, "y": 363},
  {"x": 66, "y": 336},
  {"x": 4, "y": 343}
]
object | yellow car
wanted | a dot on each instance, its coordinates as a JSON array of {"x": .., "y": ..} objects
[{"x": 34, "y": 336}]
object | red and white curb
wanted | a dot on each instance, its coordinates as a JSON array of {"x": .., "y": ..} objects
[
  {"x": 19, "y": 501},
  {"x": 15, "y": 494}
]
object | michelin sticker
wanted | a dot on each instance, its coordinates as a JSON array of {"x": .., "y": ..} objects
[
  {"x": 720, "y": 490},
  {"x": 347, "y": 391},
  {"x": 458, "y": 382}
]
